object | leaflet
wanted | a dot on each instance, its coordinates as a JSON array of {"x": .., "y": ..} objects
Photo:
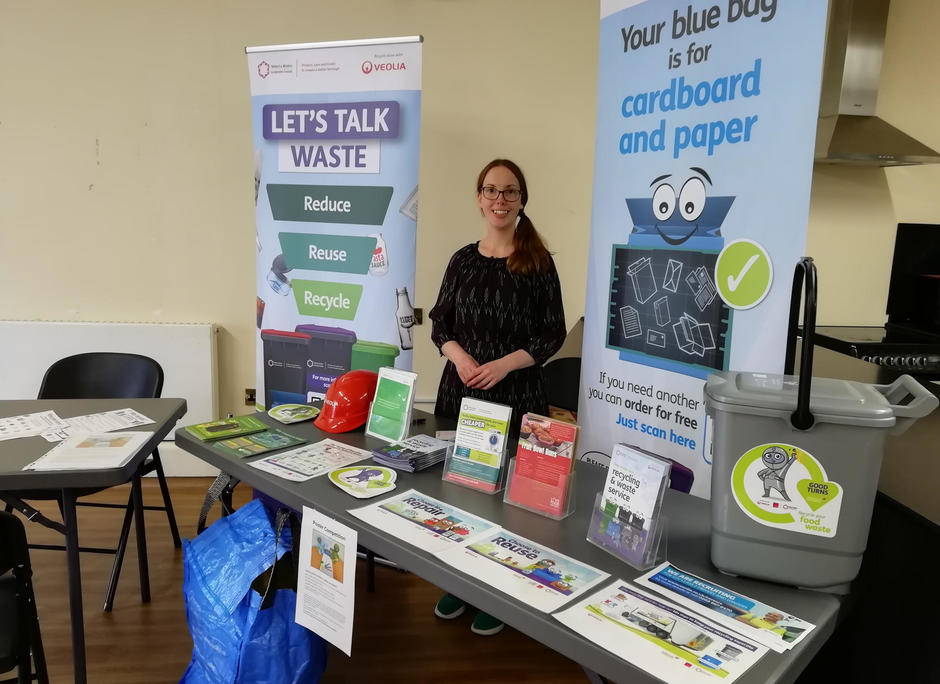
[
  {"x": 530, "y": 572},
  {"x": 326, "y": 586},
  {"x": 311, "y": 460},
  {"x": 479, "y": 445},
  {"x": 92, "y": 451},
  {"x": 765, "y": 624},
  {"x": 660, "y": 637},
  {"x": 106, "y": 421},
  {"x": 30, "y": 424},
  {"x": 427, "y": 523}
]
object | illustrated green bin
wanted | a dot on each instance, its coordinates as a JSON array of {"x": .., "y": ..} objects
[{"x": 371, "y": 356}]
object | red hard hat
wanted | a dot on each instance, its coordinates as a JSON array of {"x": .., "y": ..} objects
[{"x": 346, "y": 405}]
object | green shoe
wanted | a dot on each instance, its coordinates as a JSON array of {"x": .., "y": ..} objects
[
  {"x": 485, "y": 624},
  {"x": 449, "y": 607}
]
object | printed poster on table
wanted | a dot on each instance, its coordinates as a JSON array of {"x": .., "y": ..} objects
[
  {"x": 659, "y": 637},
  {"x": 768, "y": 625},
  {"x": 326, "y": 578},
  {"x": 336, "y": 128},
  {"x": 706, "y": 123},
  {"x": 530, "y": 572},
  {"x": 427, "y": 523}
]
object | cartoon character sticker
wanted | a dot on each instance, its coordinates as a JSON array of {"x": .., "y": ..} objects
[
  {"x": 364, "y": 482},
  {"x": 783, "y": 486},
  {"x": 664, "y": 308}
]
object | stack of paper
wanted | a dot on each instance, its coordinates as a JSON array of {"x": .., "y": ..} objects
[{"x": 413, "y": 454}]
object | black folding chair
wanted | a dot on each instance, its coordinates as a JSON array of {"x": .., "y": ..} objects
[
  {"x": 106, "y": 375},
  {"x": 20, "y": 642}
]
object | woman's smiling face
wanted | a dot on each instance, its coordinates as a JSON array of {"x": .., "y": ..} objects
[{"x": 500, "y": 213}]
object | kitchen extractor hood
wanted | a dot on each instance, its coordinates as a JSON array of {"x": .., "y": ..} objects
[{"x": 848, "y": 130}]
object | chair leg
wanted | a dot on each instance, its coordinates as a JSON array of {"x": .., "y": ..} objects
[
  {"x": 39, "y": 655},
  {"x": 141, "y": 533},
  {"x": 119, "y": 554},
  {"x": 165, "y": 490}
]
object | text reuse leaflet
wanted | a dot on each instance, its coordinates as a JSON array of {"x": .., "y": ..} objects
[
  {"x": 659, "y": 637},
  {"x": 427, "y": 523},
  {"x": 765, "y": 624},
  {"x": 326, "y": 578},
  {"x": 534, "y": 574},
  {"x": 311, "y": 460}
]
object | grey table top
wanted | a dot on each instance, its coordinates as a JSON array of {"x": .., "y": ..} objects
[
  {"x": 16, "y": 453},
  {"x": 688, "y": 548}
]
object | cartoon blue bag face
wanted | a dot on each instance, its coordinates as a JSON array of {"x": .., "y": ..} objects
[{"x": 664, "y": 308}]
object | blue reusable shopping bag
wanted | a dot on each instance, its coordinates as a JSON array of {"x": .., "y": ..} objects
[{"x": 237, "y": 639}]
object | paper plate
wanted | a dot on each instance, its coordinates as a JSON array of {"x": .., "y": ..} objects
[
  {"x": 364, "y": 482},
  {"x": 293, "y": 413}
]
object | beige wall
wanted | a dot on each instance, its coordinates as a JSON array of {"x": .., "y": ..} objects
[{"x": 126, "y": 171}]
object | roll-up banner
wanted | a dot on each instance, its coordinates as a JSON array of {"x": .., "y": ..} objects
[
  {"x": 706, "y": 124},
  {"x": 336, "y": 128}
]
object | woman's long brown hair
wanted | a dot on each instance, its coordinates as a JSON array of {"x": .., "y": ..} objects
[{"x": 529, "y": 254}]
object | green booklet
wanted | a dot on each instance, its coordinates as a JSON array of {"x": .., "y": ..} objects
[
  {"x": 258, "y": 443},
  {"x": 227, "y": 427},
  {"x": 390, "y": 412}
]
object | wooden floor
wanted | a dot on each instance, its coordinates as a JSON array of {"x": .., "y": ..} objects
[{"x": 397, "y": 638}]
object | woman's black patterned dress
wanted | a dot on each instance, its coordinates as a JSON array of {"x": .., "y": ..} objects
[{"x": 491, "y": 312}]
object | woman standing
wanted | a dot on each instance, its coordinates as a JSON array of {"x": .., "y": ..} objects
[
  {"x": 499, "y": 314},
  {"x": 498, "y": 318}
]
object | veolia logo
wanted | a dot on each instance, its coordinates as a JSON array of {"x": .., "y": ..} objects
[{"x": 368, "y": 67}]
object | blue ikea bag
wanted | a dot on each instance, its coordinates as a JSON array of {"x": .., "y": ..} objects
[{"x": 239, "y": 635}]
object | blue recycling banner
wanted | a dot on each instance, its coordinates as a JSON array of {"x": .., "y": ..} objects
[{"x": 706, "y": 124}]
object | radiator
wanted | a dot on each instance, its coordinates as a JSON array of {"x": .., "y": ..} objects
[{"x": 186, "y": 351}]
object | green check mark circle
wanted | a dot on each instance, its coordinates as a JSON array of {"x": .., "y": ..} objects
[{"x": 743, "y": 274}]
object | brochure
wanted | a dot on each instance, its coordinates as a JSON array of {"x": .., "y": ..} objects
[
  {"x": 413, "y": 454},
  {"x": 293, "y": 413},
  {"x": 326, "y": 586},
  {"x": 544, "y": 463},
  {"x": 758, "y": 621},
  {"x": 479, "y": 445},
  {"x": 530, "y": 572},
  {"x": 364, "y": 482},
  {"x": 258, "y": 443},
  {"x": 311, "y": 460},
  {"x": 92, "y": 451},
  {"x": 661, "y": 638},
  {"x": 627, "y": 522},
  {"x": 390, "y": 411},
  {"x": 227, "y": 427},
  {"x": 425, "y": 522}
]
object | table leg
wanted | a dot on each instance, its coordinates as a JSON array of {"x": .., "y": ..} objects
[
  {"x": 75, "y": 585},
  {"x": 142, "y": 564}
]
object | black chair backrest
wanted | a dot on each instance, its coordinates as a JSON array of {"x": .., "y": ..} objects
[
  {"x": 563, "y": 382},
  {"x": 103, "y": 375},
  {"x": 14, "y": 554}
]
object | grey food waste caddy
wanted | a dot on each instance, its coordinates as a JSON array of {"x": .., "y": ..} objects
[{"x": 793, "y": 504}]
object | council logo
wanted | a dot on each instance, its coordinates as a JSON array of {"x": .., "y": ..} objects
[{"x": 264, "y": 69}]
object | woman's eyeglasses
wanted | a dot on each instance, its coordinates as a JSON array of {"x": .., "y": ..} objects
[{"x": 509, "y": 194}]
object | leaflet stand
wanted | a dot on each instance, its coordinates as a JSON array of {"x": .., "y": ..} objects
[
  {"x": 626, "y": 542},
  {"x": 478, "y": 460},
  {"x": 532, "y": 490},
  {"x": 627, "y": 519},
  {"x": 455, "y": 472}
]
